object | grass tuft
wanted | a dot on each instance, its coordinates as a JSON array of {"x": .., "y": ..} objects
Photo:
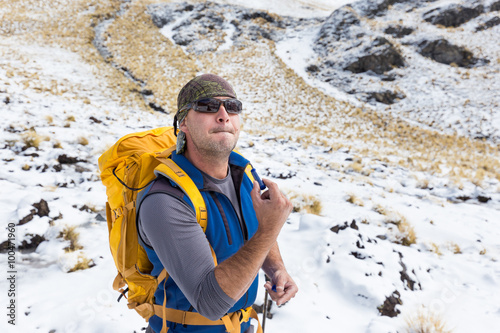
[
  {"x": 435, "y": 248},
  {"x": 305, "y": 203},
  {"x": 69, "y": 234},
  {"x": 380, "y": 209},
  {"x": 408, "y": 235},
  {"x": 425, "y": 322},
  {"x": 83, "y": 141},
  {"x": 353, "y": 199},
  {"x": 32, "y": 140},
  {"x": 83, "y": 263},
  {"x": 455, "y": 248}
]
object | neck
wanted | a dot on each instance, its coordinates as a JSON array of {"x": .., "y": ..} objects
[{"x": 214, "y": 166}]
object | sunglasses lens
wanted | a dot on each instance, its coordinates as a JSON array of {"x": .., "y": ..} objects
[
  {"x": 233, "y": 106},
  {"x": 212, "y": 105},
  {"x": 207, "y": 105}
]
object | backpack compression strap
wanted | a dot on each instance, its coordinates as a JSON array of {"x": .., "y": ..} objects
[{"x": 232, "y": 321}]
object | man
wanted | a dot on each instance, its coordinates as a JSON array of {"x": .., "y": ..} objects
[{"x": 242, "y": 224}]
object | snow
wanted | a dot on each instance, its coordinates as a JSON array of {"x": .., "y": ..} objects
[{"x": 343, "y": 276}]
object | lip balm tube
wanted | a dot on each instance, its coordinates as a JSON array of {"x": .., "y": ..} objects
[{"x": 257, "y": 178}]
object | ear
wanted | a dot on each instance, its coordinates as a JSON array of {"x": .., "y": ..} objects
[{"x": 182, "y": 126}]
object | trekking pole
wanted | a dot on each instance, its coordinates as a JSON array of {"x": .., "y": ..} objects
[{"x": 264, "y": 312}]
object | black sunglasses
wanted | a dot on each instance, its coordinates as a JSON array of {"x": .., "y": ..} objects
[{"x": 212, "y": 105}]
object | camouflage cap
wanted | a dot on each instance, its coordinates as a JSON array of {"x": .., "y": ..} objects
[{"x": 203, "y": 86}]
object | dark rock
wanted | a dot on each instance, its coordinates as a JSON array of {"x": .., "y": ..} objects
[
  {"x": 161, "y": 15},
  {"x": 358, "y": 255},
  {"x": 6, "y": 100},
  {"x": 57, "y": 167},
  {"x": 337, "y": 228},
  {"x": 188, "y": 8},
  {"x": 372, "y": 8},
  {"x": 312, "y": 69},
  {"x": 463, "y": 197},
  {"x": 442, "y": 51},
  {"x": 359, "y": 245},
  {"x": 398, "y": 31},
  {"x": 389, "y": 307},
  {"x": 156, "y": 107},
  {"x": 85, "y": 208},
  {"x": 28, "y": 217},
  {"x": 65, "y": 159},
  {"x": 386, "y": 97},
  {"x": 266, "y": 35},
  {"x": 6, "y": 246},
  {"x": 354, "y": 225},
  {"x": 388, "y": 78},
  {"x": 337, "y": 26},
  {"x": 494, "y": 7},
  {"x": 489, "y": 24},
  {"x": 483, "y": 199},
  {"x": 453, "y": 16},
  {"x": 27, "y": 247},
  {"x": 254, "y": 15},
  {"x": 382, "y": 57},
  {"x": 406, "y": 278},
  {"x": 282, "y": 175},
  {"x": 42, "y": 208},
  {"x": 95, "y": 120},
  {"x": 183, "y": 39},
  {"x": 32, "y": 155}
]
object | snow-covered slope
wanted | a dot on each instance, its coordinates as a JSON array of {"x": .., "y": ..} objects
[{"x": 396, "y": 218}]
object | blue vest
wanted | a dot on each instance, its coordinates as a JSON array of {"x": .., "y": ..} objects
[{"x": 225, "y": 232}]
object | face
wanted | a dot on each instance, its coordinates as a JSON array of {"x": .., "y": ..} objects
[{"x": 211, "y": 134}]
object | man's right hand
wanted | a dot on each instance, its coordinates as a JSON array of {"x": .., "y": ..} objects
[{"x": 271, "y": 207}]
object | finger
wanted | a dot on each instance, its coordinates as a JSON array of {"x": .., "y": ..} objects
[
  {"x": 289, "y": 294},
  {"x": 265, "y": 195},
  {"x": 255, "y": 193},
  {"x": 273, "y": 291},
  {"x": 268, "y": 182}
]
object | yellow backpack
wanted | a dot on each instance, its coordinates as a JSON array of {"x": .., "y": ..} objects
[{"x": 126, "y": 168}]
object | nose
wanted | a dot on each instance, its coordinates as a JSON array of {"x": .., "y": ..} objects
[{"x": 222, "y": 115}]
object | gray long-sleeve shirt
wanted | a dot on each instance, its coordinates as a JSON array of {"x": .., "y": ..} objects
[{"x": 169, "y": 226}]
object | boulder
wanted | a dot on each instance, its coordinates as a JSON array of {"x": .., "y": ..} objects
[
  {"x": 386, "y": 97},
  {"x": 163, "y": 14},
  {"x": 372, "y": 8},
  {"x": 444, "y": 52},
  {"x": 453, "y": 16},
  {"x": 337, "y": 26},
  {"x": 398, "y": 31},
  {"x": 389, "y": 307},
  {"x": 494, "y": 7},
  {"x": 381, "y": 57},
  {"x": 489, "y": 24}
]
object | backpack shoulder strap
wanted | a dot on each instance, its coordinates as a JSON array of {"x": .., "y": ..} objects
[{"x": 172, "y": 171}]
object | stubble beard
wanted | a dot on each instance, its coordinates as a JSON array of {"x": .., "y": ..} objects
[{"x": 212, "y": 148}]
